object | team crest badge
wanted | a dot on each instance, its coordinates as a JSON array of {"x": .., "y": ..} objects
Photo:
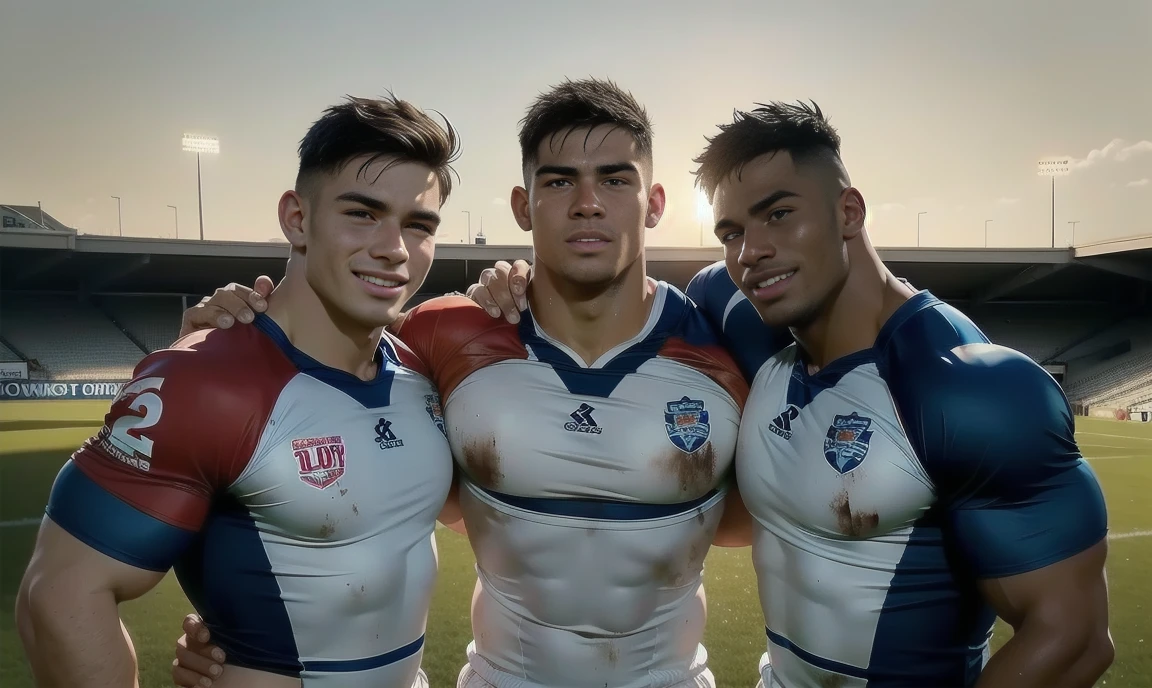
[
  {"x": 432, "y": 406},
  {"x": 687, "y": 423},
  {"x": 321, "y": 460},
  {"x": 846, "y": 443}
]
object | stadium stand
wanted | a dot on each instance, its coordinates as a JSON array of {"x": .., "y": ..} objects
[
  {"x": 153, "y": 321},
  {"x": 88, "y": 307},
  {"x": 71, "y": 340}
]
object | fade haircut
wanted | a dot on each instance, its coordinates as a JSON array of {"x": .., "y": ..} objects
[
  {"x": 800, "y": 129},
  {"x": 579, "y": 104},
  {"x": 386, "y": 127}
]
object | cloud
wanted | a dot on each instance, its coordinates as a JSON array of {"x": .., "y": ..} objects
[
  {"x": 1007, "y": 201},
  {"x": 1117, "y": 150},
  {"x": 1139, "y": 182},
  {"x": 499, "y": 201}
]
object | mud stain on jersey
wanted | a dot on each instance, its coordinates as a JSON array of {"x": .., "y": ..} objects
[
  {"x": 695, "y": 473},
  {"x": 668, "y": 573},
  {"x": 483, "y": 461},
  {"x": 852, "y": 523},
  {"x": 832, "y": 681},
  {"x": 609, "y": 652},
  {"x": 328, "y": 528},
  {"x": 355, "y": 510}
]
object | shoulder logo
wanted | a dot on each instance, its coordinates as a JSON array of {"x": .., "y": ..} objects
[
  {"x": 127, "y": 437},
  {"x": 782, "y": 424},
  {"x": 385, "y": 437},
  {"x": 582, "y": 421},
  {"x": 687, "y": 424},
  {"x": 846, "y": 443},
  {"x": 320, "y": 459},
  {"x": 432, "y": 406}
]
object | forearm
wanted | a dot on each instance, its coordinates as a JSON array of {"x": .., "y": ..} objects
[
  {"x": 75, "y": 639},
  {"x": 1049, "y": 657}
]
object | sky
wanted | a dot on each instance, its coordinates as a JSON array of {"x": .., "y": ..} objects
[{"x": 944, "y": 108}]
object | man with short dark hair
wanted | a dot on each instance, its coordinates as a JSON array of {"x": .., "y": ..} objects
[
  {"x": 290, "y": 472},
  {"x": 908, "y": 480},
  {"x": 591, "y": 496}
]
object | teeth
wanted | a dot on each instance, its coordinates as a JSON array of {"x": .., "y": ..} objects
[
  {"x": 775, "y": 279},
  {"x": 377, "y": 281},
  {"x": 586, "y": 240}
]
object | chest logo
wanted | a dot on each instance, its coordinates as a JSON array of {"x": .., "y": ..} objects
[
  {"x": 582, "y": 421},
  {"x": 782, "y": 424},
  {"x": 687, "y": 424},
  {"x": 385, "y": 437},
  {"x": 320, "y": 459},
  {"x": 432, "y": 406},
  {"x": 846, "y": 443}
]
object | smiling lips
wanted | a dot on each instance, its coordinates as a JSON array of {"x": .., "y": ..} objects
[
  {"x": 381, "y": 287},
  {"x": 770, "y": 287}
]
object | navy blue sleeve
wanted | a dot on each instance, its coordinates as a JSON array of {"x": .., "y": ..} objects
[
  {"x": 996, "y": 436},
  {"x": 741, "y": 330}
]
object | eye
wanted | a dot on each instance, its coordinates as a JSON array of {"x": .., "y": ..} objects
[
  {"x": 779, "y": 214},
  {"x": 359, "y": 214},
  {"x": 427, "y": 229},
  {"x": 729, "y": 236},
  {"x": 557, "y": 182},
  {"x": 616, "y": 182}
]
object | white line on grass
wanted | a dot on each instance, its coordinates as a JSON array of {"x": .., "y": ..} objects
[
  {"x": 1133, "y": 534},
  {"x": 20, "y": 523},
  {"x": 1118, "y": 456},
  {"x": 1122, "y": 437}
]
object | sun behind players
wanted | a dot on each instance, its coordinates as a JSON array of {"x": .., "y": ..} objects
[{"x": 290, "y": 472}]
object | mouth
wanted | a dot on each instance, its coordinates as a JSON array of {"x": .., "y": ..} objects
[
  {"x": 381, "y": 287},
  {"x": 771, "y": 287}
]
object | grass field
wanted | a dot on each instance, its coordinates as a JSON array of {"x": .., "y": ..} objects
[{"x": 37, "y": 437}]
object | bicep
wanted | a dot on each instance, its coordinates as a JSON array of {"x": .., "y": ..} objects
[
  {"x": 64, "y": 567},
  {"x": 1071, "y": 591}
]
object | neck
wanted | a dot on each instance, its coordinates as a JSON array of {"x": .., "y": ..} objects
[
  {"x": 590, "y": 320},
  {"x": 852, "y": 320},
  {"x": 321, "y": 332}
]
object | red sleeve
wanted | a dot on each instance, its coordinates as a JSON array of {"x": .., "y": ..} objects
[
  {"x": 187, "y": 424},
  {"x": 455, "y": 337},
  {"x": 712, "y": 360}
]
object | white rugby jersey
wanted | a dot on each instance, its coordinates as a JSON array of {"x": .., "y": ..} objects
[
  {"x": 888, "y": 484},
  {"x": 591, "y": 493},
  {"x": 295, "y": 501}
]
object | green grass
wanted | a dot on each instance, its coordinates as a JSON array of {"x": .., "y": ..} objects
[{"x": 36, "y": 437}]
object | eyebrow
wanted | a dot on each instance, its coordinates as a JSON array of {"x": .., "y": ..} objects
[
  {"x": 724, "y": 224},
  {"x": 601, "y": 170},
  {"x": 381, "y": 206},
  {"x": 769, "y": 201}
]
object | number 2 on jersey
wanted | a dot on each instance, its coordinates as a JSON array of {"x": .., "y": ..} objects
[{"x": 153, "y": 407}]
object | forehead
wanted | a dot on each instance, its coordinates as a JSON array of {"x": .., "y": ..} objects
[
  {"x": 759, "y": 177},
  {"x": 388, "y": 179},
  {"x": 588, "y": 146}
]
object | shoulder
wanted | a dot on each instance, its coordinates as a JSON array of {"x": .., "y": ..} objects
[
  {"x": 692, "y": 341},
  {"x": 451, "y": 321}
]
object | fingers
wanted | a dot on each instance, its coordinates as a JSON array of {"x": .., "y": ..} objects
[
  {"x": 480, "y": 295},
  {"x": 196, "y": 630},
  {"x": 496, "y": 279},
  {"x": 518, "y": 280},
  {"x": 201, "y": 664},
  {"x": 263, "y": 288},
  {"x": 188, "y": 679}
]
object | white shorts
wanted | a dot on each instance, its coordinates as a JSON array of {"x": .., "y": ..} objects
[
  {"x": 765, "y": 672},
  {"x": 479, "y": 673},
  {"x": 421, "y": 680}
]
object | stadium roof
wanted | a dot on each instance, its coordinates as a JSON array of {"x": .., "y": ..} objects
[{"x": 34, "y": 259}]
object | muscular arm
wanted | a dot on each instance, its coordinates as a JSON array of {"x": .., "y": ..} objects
[
  {"x": 67, "y": 617},
  {"x": 1060, "y": 617}
]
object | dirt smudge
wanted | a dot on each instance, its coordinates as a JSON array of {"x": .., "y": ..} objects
[
  {"x": 695, "y": 473},
  {"x": 483, "y": 461},
  {"x": 849, "y": 522}
]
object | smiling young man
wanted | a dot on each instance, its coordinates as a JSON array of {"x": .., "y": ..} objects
[
  {"x": 290, "y": 472},
  {"x": 908, "y": 480},
  {"x": 592, "y": 495}
]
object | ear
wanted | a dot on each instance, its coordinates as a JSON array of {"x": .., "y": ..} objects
[
  {"x": 852, "y": 212},
  {"x": 519, "y": 201},
  {"x": 292, "y": 211},
  {"x": 656, "y": 203}
]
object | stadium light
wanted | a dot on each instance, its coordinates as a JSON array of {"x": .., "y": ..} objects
[
  {"x": 176, "y": 218},
  {"x": 469, "y": 214},
  {"x": 1054, "y": 167},
  {"x": 194, "y": 143},
  {"x": 1073, "y": 223},
  {"x": 922, "y": 212},
  {"x": 119, "y": 216},
  {"x": 986, "y": 233}
]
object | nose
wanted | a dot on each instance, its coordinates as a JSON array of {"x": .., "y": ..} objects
[
  {"x": 755, "y": 247},
  {"x": 586, "y": 203},
  {"x": 388, "y": 243}
]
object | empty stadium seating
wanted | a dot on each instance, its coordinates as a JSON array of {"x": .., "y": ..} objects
[
  {"x": 70, "y": 339},
  {"x": 1040, "y": 331},
  {"x": 7, "y": 354},
  {"x": 154, "y": 321}
]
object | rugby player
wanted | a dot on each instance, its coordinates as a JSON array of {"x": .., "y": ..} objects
[
  {"x": 290, "y": 472},
  {"x": 591, "y": 496},
  {"x": 909, "y": 481}
]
